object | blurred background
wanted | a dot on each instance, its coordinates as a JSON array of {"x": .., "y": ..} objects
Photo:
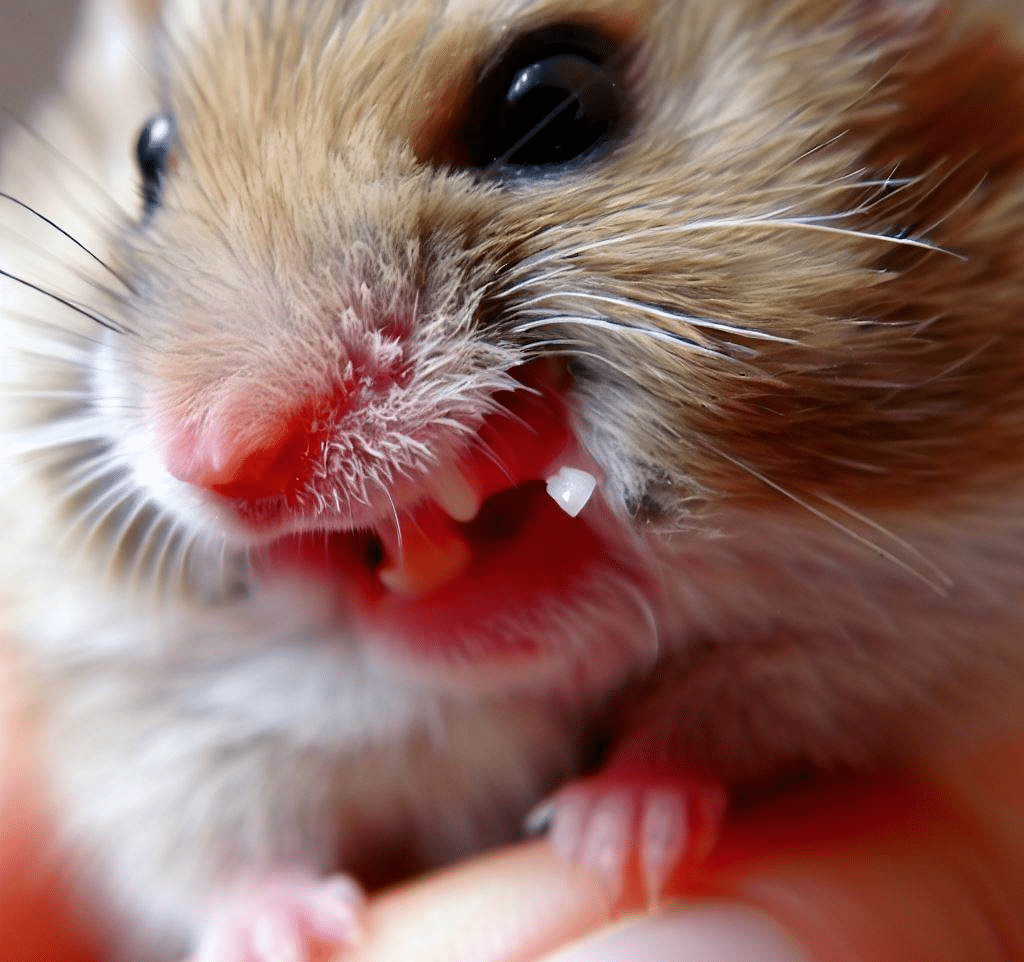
[{"x": 33, "y": 34}]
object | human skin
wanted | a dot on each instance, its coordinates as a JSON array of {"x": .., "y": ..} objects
[{"x": 922, "y": 867}]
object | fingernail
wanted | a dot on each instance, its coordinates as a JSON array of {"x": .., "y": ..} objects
[{"x": 696, "y": 933}]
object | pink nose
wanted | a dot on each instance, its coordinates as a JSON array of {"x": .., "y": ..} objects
[{"x": 249, "y": 453}]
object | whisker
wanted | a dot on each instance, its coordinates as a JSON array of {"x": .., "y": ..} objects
[
  {"x": 576, "y": 350},
  {"x": 55, "y": 154},
  {"x": 941, "y": 375},
  {"x": 81, "y": 470},
  {"x": 74, "y": 240},
  {"x": 940, "y": 575},
  {"x": 653, "y": 310},
  {"x": 54, "y": 436},
  {"x": 959, "y": 205},
  {"x": 176, "y": 547},
  {"x": 653, "y": 333},
  {"x": 939, "y": 587},
  {"x": 487, "y": 450},
  {"x": 536, "y": 280},
  {"x": 819, "y": 224},
  {"x": 80, "y": 273},
  {"x": 118, "y": 538},
  {"x": 399, "y": 540},
  {"x": 503, "y": 411},
  {"x": 772, "y": 221},
  {"x": 53, "y": 333},
  {"x": 824, "y": 145},
  {"x": 103, "y": 322},
  {"x": 54, "y": 395},
  {"x": 667, "y": 230}
]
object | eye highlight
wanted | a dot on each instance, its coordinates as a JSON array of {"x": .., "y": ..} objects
[
  {"x": 152, "y": 153},
  {"x": 552, "y": 97}
]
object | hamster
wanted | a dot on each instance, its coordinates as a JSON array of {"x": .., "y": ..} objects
[{"x": 404, "y": 397}]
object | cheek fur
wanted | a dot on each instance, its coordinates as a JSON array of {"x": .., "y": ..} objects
[
  {"x": 920, "y": 391},
  {"x": 894, "y": 378}
]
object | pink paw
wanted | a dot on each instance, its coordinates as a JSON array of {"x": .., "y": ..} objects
[
  {"x": 283, "y": 920},
  {"x": 628, "y": 827}
]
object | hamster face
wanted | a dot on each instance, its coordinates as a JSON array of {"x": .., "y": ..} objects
[{"x": 763, "y": 287}]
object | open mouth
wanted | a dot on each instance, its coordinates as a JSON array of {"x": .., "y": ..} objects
[{"x": 513, "y": 524}]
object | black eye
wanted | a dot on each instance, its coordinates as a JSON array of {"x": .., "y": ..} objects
[
  {"x": 550, "y": 98},
  {"x": 153, "y": 152}
]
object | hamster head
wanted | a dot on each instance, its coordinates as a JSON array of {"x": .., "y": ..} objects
[{"x": 402, "y": 269}]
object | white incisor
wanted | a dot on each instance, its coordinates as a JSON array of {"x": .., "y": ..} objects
[{"x": 571, "y": 489}]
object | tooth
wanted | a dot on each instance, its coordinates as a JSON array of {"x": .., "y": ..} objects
[
  {"x": 571, "y": 489},
  {"x": 454, "y": 494},
  {"x": 427, "y": 560}
]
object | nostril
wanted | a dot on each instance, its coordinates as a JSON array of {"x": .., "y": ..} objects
[
  {"x": 250, "y": 453},
  {"x": 278, "y": 464},
  {"x": 238, "y": 459}
]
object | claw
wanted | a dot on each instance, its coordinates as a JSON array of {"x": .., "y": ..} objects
[
  {"x": 649, "y": 827},
  {"x": 278, "y": 921},
  {"x": 663, "y": 836}
]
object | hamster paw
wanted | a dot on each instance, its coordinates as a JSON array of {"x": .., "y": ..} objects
[
  {"x": 628, "y": 826},
  {"x": 283, "y": 919}
]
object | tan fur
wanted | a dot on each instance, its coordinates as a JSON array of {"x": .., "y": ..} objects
[{"x": 792, "y": 300}]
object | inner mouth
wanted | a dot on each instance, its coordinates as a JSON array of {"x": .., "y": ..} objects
[{"x": 508, "y": 524}]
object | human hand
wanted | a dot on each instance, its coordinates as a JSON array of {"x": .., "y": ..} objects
[
  {"x": 923, "y": 868},
  {"x": 928, "y": 868}
]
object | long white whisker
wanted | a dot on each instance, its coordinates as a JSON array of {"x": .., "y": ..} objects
[
  {"x": 938, "y": 587},
  {"x": 653, "y": 310},
  {"x": 535, "y": 280},
  {"x": 399, "y": 540},
  {"x": 942, "y": 577},
  {"x": 52, "y": 395},
  {"x": 488, "y": 452},
  {"x": 600, "y": 323},
  {"x": 771, "y": 221},
  {"x": 531, "y": 262},
  {"x": 817, "y": 225},
  {"x": 172, "y": 555},
  {"x": 117, "y": 540}
]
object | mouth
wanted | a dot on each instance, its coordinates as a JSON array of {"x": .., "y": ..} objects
[{"x": 514, "y": 525}]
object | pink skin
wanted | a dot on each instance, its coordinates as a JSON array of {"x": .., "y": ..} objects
[
  {"x": 281, "y": 918},
  {"x": 637, "y": 822}
]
